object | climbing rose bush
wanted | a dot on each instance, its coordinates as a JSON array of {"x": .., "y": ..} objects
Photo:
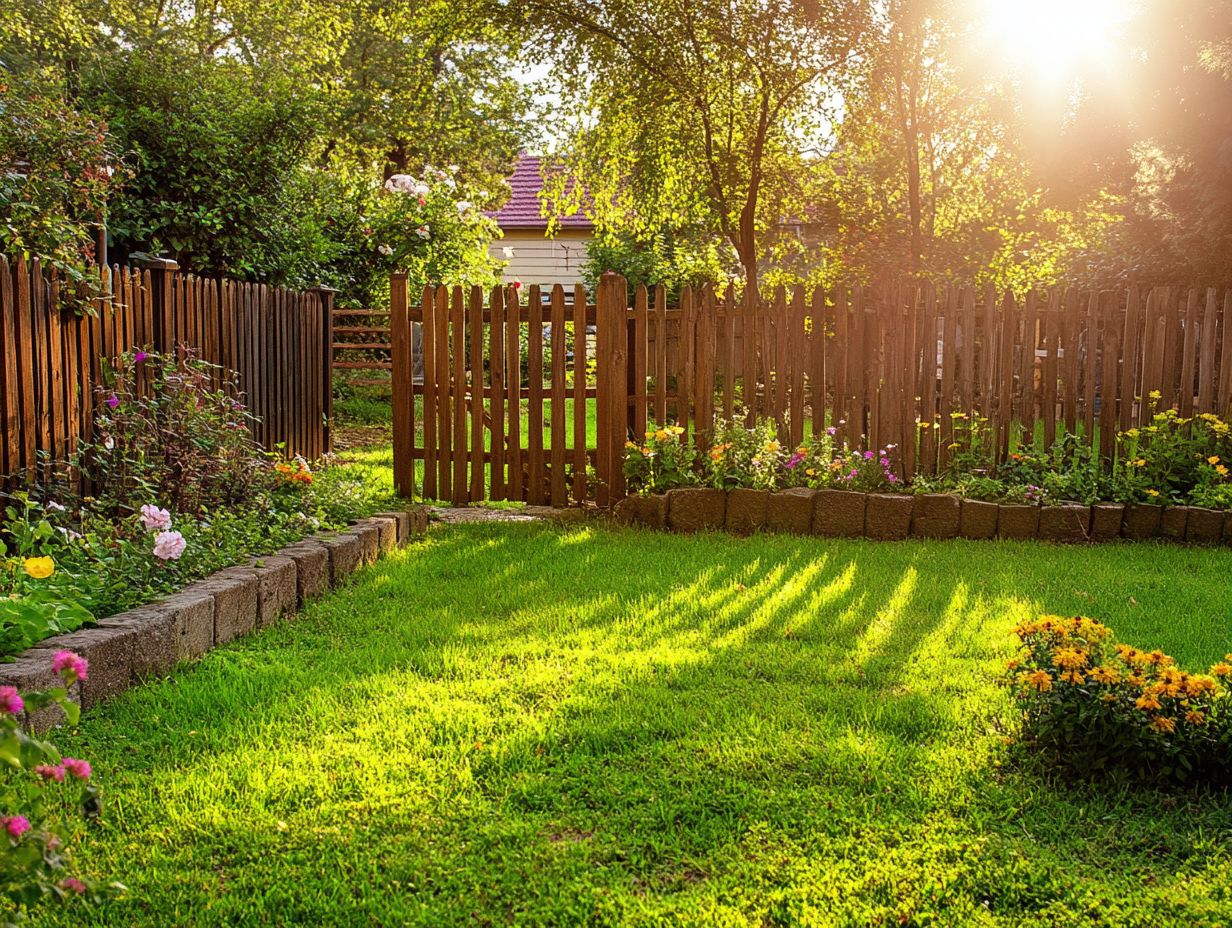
[
  {"x": 34, "y": 845},
  {"x": 1093, "y": 706}
]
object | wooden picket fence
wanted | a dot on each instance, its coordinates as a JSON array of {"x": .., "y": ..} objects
[
  {"x": 52, "y": 356},
  {"x": 361, "y": 344},
  {"x": 887, "y": 365}
]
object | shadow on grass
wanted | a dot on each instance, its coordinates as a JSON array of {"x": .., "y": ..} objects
[{"x": 591, "y": 727}]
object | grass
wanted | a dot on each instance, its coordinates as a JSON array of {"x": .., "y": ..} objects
[{"x": 517, "y": 724}]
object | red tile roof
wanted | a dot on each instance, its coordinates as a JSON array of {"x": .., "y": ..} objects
[{"x": 524, "y": 209}]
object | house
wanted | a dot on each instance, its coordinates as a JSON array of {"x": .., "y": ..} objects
[{"x": 531, "y": 255}]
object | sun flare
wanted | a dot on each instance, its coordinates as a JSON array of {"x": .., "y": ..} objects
[{"x": 1053, "y": 40}]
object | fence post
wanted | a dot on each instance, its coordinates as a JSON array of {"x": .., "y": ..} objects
[
  {"x": 326, "y": 296},
  {"x": 160, "y": 271},
  {"x": 402, "y": 386}
]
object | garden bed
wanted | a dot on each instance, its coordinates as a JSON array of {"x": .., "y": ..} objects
[
  {"x": 893, "y": 517},
  {"x": 148, "y": 641}
]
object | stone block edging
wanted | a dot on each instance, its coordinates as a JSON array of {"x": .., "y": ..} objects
[
  {"x": 890, "y": 517},
  {"x": 148, "y": 641}
]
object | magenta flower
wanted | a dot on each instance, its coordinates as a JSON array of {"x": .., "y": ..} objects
[
  {"x": 831, "y": 431},
  {"x": 140, "y": 356},
  {"x": 67, "y": 660},
  {"x": 17, "y": 825},
  {"x": 10, "y": 701},
  {"x": 155, "y": 519},
  {"x": 113, "y": 401},
  {"x": 891, "y": 478},
  {"x": 168, "y": 546},
  {"x": 868, "y": 455},
  {"x": 79, "y": 768},
  {"x": 49, "y": 772},
  {"x": 73, "y": 884},
  {"x": 885, "y": 462},
  {"x": 794, "y": 461}
]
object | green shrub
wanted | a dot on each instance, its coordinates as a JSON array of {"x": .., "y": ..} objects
[
  {"x": 1091, "y": 706},
  {"x": 740, "y": 456}
]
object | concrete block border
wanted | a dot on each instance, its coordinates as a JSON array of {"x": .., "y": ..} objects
[
  {"x": 890, "y": 517},
  {"x": 149, "y": 641}
]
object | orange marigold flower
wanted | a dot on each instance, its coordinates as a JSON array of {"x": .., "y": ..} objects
[
  {"x": 1162, "y": 723},
  {"x": 1039, "y": 679},
  {"x": 1222, "y": 669}
]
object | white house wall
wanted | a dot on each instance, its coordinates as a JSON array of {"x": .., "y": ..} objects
[{"x": 540, "y": 260}]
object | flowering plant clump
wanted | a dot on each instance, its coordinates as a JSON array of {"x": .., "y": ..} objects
[
  {"x": 740, "y": 456},
  {"x": 1176, "y": 459},
  {"x": 1093, "y": 706},
  {"x": 34, "y": 845},
  {"x": 662, "y": 462},
  {"x": 295, "y": 473}
]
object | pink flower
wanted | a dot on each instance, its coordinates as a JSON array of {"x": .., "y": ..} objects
[
  {"x": 885, "y": 462},
  {"x": 10, "y": 701},
  {"x": 48, "y": 772},
  {"x": 868, "y": 455},
  {"x": 79, "y": 768},
  {"x": 73, "y": 884},
  {"x": 168, "y": 546},
  {"x": 17, "y": 825},
  {"x": 891, "y": 478},
  {"x": 155, "y": 519},
  {"x": 140, "y": 356},
  {"x": 67, "y": 660},
  {"x": 113, "y": 401},
  {"x": 831, "y": 431}
]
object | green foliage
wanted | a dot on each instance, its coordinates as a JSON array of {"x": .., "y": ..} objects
[
  {"x": 742, "y": 456},
  {"x": 1091, "y": 706},
  {"x": 57, "y": 168},
  {"x": 34, "y": 861},
  {"x": 673, "y": 260},
  {"x": 1175, "y": 457}
]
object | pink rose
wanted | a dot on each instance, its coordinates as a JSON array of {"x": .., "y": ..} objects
[
  {"x": 155, "y": 519},
  {"x": 168, "y": 546}
]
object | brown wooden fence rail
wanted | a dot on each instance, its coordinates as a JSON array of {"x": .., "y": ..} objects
[
  {"x": 361, "y": 343},
  {"x": 891, "y": 364},
  {"x": 51, "y": 357}
]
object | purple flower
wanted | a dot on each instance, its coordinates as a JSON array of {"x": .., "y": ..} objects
[
  {"x": 113, "y": 401},
  {"x": 794, "y": 461},
  {"x": 868, "y": 455},
  {"x": 885, "y": 462},
  {"x": 891, "y": 478},
  {"x": 49, "y": 772},
  {"x": 140, "y": 356},
  {"x": 67, "y": 660},
  {"x": 78, "y": 768},
  {"x": 17, "y": 825},
  {"x": 831, "y": 431},
  {"x": 10, "y": 701}
]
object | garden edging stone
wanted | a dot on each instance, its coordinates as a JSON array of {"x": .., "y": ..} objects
[{"x": 150, "y": 640}]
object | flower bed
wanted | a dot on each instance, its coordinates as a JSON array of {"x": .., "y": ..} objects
[
  {"x": 893, "y": 517},
  {"x": 1167, "y": 479},
  {"x": 148, "y": 641}
]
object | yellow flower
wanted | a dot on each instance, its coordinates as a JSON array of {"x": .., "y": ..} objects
[
  {"x": 1213, "y": 459},
  {"x": 1162, "y": 723},
  {"x": 630, "y": 444},
  {"x": 1155, "y": 395},
  {"x": 1194, "y": 717},
  {"x": 1040, "y": 679},
  {"x": 812, "y": 472},
  {"x": 771, "y": 446},
  {"x": 1221, "y": 470},
  {"x": 676, "y": 429},
  {"x": 1105, "y": 675},
  {"x": 1072, "y": 676},
  {"x": 40, "y": 568},
  {"x": 1069, "y": 658},
  {"x": 1147, "y": 702},
  {"x": 1222, "y": 669},
  {"x": 650, "y": 433},
  {"x": 1152, "y": 492},
  {"x": 661, "y": 435}
]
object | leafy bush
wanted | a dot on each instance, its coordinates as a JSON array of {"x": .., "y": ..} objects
[
  {"x": 662, "y": 463},
  {"x": 35, "y": 848},
  {"x": 169, "y": 429},
  {"x": 1091, "y": 706},
  {"x": 1175, "y": 457},
  {"x": 57, "y": 169}
]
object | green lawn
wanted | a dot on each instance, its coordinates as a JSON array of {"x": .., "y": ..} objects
[{"x": 517, "y": 724}]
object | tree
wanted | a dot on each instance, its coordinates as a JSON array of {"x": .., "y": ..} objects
[{"x": 697, "y": 115}]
